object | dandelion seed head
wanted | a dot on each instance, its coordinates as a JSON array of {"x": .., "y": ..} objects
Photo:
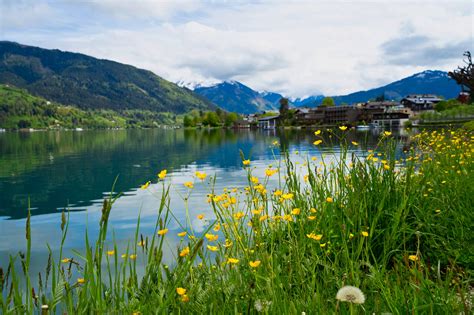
[{"x": 350, "y": 294}]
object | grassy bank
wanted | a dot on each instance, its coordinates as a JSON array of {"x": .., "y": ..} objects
[{"x": 399, "y": 228}]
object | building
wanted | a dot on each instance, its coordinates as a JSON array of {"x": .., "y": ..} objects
[
  {"x": 345, "y": 114},
  {"x": 308, "y": 116},
  {"x": 419, "y": 102},
  {"x": 390, "y": 119},
  {"x": 269, "y": 122}
]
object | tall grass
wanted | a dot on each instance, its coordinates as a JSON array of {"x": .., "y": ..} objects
[{"x": 398, "y": 228}]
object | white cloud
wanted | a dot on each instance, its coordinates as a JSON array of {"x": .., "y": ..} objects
[{"x": 294, "y": 47}]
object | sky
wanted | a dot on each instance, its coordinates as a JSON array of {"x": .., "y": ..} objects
[{"x": 297, "y": 48}]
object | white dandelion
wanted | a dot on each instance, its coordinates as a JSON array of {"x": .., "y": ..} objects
[
  {"x": 262, "y": 306},
  {"x": 350, "y": 294}
]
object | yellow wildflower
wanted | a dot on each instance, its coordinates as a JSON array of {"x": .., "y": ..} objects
[
  {"x": 189, "y": 185},
  {"x": 228, "y": 243},
  {"x": 317, "y": 132},
  {"x": 66, "y": 260},
  {"x": 278, "y": 192},
  {"x": 239, "y": 215},
  {"x": 133, "y": 256},
  {"x": 254, "y": 264},
  {"x": 413, "y": 257},
  {"x": 246, "y": 162},
  {"x": 312, "y": 210},
  {"x": 184, "y": 298},
  {"x": 254, "y": 179},
  {"x": 232, "y": 260},
  {"x": 200, "y": 216},
  {"x": 354, "y": 143},
  {"x": 312, "y": 217},
  {"x": 184, "y": 252},
  {"x": 164, "y": 231},
  {"x": 343, "y": 128},
  {"x": 287, "y": 217},
  {"x": 387, "y": 133},
  {"x": 182, "y": 234},
  {"x": 364, "y": 233},
  {"x": 181, "y": 291},
  {"x": 141, "y": 243},
  {"x": 81, "y": 280},
  {"x": 217, "y": 227},
  {"x": 270, "y": 172},
  {"x": 314, "y": 236},
  {"x": 296, "y": 211},
  {"x": 263, "y": 218},
  {"x": 322, "y": 245},
  {"x": 145, "y": 186},
  {"x": 211, "y": 237},
  {"x": 201, "y": 175},
  {"x": 212, "y": 248},
  {"x": 257, "y": 211},
  {"x": 287, "y": 196},
  {"x": 110, "y": 252},
  {"x": 329, "y": 199},
  {"x": 317, "y": 142},
  {"x": 162, "y": 174}
]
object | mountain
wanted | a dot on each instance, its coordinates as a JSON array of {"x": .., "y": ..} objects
[
  {"x": 426, "y": 82},
  {"x": 310, "y": 101},
  {"x": 90, "y": 83},
  {"x": 236, "y": 97}
]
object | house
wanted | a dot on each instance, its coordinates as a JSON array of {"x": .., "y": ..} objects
[
  {"x": 390, "y": 119},
  {"x": 419, "y": 102},
  {"x": 269, "y": 122},
  {"x": 242, "y": 124}
]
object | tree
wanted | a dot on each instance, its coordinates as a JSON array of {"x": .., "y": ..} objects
[
  {"x": 464, "y": 75},
  {"x": 327, "y": 101},
  {"x": 187, "y": 121},
  {"x": 284, "y": 107},
  {"x": 230, "y": 119},
  {"x": 380, "y": 98}
]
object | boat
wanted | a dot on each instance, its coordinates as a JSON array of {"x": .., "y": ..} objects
[{"x": 363, "y": 127}]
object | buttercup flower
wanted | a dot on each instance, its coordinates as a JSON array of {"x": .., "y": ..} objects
[
  {"x": 232, "y": 260},
  {"x": 162, "y": 174},
  {"x": 246, "y": 162},
  {"x": 184, "y": 252},
  {"x": 254, "y": 264},
  {"x": 164, "y": 231},
  {"x": 181, "y": 291},
  {"x": 145, "y": 186},
  {"x": 189, "y": 185},
  {"x": 343, "y": 128}
]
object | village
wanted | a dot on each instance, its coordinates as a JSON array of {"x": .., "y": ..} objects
[{"x": 371, "y": 114}]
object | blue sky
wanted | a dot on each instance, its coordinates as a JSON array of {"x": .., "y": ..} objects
[{"x": 297, "y": 48}]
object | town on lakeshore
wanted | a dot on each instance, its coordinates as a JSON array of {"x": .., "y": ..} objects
[{"x": 371, "y": 114}]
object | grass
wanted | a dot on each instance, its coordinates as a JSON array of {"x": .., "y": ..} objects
[{"x": 399, "y": 228}]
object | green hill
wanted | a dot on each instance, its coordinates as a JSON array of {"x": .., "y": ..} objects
[
  {"x": 20, "y": 109},
  {"x": 90, "y": 83}
]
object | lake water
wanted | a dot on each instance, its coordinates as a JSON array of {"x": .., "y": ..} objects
[{"x": 53, "y": 171}]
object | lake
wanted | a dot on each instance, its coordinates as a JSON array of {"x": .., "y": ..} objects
[{"x": 57, "y": 170}]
